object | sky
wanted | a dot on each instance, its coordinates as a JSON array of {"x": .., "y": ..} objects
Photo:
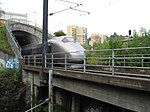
[{"x": 106, "y": 16}]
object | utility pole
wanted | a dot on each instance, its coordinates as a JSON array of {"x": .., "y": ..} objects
[
  {"x": 45, "y": 32},
  {"x": 50, "y": 92}
]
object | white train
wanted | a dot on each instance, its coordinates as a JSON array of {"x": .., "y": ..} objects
[{"x": 61, "y": 48}]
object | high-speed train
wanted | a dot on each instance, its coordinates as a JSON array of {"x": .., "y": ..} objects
[{"x": 59, "y": 46}]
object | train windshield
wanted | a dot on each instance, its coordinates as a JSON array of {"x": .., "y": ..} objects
[{"x": 67, "y": 39}]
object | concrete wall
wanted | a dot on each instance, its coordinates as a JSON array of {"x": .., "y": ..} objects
[
  {"x": 127, "y": 97},
  {"x": 35, "y": 90},
  {"x": 3, "y": 59},
  {"x": 28, "y": 81},
  {"x": 123, "y": 97},
  {"x": 70, "y": 102},
  {"x": 37, "y": 32},
  {"x": 27, "y": 28}
]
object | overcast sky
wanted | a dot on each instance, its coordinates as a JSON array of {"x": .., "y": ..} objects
[{"x": 106, "y": 16}]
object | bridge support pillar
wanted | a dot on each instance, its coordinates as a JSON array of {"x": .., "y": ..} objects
[
  {"x": 62, "y": 99},
  {"x": 75, "y": 105},
  {"x": 68, "y": 101},
  {"x": 27, "y": 79}
]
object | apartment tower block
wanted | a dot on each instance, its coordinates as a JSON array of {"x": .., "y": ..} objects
[{"x": 78, "y": 33}]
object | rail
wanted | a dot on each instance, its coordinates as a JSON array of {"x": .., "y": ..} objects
[
  {"x": 30, "y": 23},
  {"x": 12, "y": 41},
  {"x": 11, "y": 38},
  {"x": 126, "y": 61}
]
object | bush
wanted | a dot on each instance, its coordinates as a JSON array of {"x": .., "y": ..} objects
[
  {"x": 11, "y": 73},
  {"x": 12, "y": 94},
  {"x": 4, "y": 45}
]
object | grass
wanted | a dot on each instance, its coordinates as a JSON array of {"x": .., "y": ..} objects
[{"x": 4, "y": 45}]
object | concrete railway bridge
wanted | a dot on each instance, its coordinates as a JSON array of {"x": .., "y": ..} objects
[{"x": 111, "y": 83}]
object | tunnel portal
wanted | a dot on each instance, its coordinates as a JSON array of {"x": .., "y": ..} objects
[{"x": 24, "y": 38}]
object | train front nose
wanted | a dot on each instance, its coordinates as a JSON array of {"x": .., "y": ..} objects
[{"x": 76, "y": 57}]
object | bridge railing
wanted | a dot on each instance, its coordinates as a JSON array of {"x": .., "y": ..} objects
[
  {"x": 12, "y": 41},
  {"x": 23, "y": 21},
  {"x": 127, "y": 61}
]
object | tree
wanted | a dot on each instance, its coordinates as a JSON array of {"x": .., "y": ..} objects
[
  {"x": 1, "y": 12},
  {"x": 86, "y": 46},
  {"x": 115, "y": 41},
  {"x": 59, "y": 33},
  {"x": 140, "y": 39}
]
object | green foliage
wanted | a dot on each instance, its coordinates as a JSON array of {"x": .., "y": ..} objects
[
  {"x": 11, "y": 73},
  {"x": 10, "y": 91},
  {"x": 91, "y": 58},
  {"x": 105, "y": 45},
  {"x": 141, "y": 39},
  {"x": 1, "y": 12},
  {"x": 113, "y": 42},
  {"x": 4, "y": 45},
  {"x": 58, "y": 108},
  {"x": 59, "y": 33},
  {"x": 44, "y": 108},
  {"x": 87, "y": 47}
]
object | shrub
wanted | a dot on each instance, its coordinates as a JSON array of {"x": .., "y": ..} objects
[{"x": 13, "y": 73}]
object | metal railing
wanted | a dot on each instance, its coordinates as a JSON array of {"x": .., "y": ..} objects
[
  {"x": 11, "y": 38},
  {"x": 30, "y": 23},
  {"x": 127, "y": 61},
  {"x": 12, "y": 41},
  {"x": 23, "y": 21}
]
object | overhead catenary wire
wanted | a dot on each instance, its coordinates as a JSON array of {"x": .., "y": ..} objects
[
  {"x": 70, "y": 2},
  {"x": 80, "y": 10},
  {"x": 104, "y": 6},
  {"x": 73, "y": 8},
  {"x": 62, "y": 10},
  {"x": 93, "y": 11}
]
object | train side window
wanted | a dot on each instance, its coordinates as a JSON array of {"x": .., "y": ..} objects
[{"x": 65, "y": 40}]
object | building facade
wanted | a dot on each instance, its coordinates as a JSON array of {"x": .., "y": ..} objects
[
  {"x": 10, "y": 15},
  {"x": 97, "y": 38},
  {"x": 78, "y": 33}
]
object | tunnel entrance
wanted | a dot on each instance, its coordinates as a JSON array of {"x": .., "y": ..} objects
[{"x": 24, "y": 38}]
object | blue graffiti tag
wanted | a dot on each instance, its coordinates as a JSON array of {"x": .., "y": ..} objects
[{"x": 12, "y": 63}]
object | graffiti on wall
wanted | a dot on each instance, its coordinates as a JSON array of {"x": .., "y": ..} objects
[
  {"x": 92, "y": 109},
  {"x": 12, "y": 63}
]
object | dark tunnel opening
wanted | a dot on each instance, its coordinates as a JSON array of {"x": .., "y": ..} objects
[{"x": 24, "y": 38}]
